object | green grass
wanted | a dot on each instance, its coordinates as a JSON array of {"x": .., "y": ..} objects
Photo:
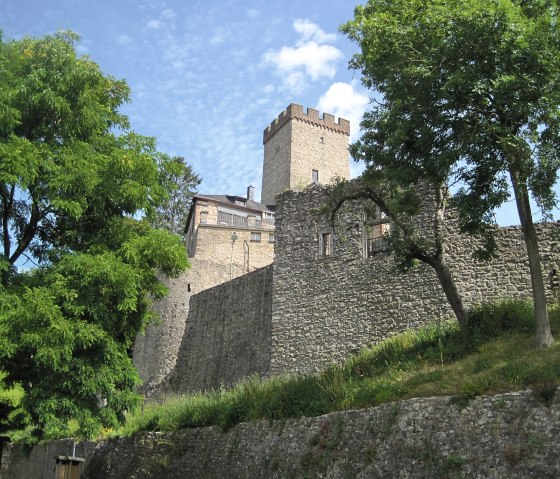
[{"x": 496, "y": 355}]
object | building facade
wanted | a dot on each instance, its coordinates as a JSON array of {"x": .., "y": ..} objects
[{"x": 227, "y": 236}]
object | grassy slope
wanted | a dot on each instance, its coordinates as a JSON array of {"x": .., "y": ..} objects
[{"x": 497, "y": 355}]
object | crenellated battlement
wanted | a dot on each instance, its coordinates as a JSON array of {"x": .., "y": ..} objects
[{"x": 312, "y": 116}]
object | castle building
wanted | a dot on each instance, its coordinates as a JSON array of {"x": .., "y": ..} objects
[
  {"x": 228, "y": 236},
  {"x": 328, "y": 293},
  {"x": 303, "y": 148}
]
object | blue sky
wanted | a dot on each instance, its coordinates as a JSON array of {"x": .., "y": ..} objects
[{"x": 207, "y": 76}]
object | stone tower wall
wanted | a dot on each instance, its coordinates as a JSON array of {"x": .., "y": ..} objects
[
  {"x": 297, "y": 143},
  {"x": 155, "y": 351}
]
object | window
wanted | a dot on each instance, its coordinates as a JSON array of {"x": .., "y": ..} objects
[
  {"x": 315, "y": 176},
  {"x": 322, "y": 140},
  {"x": 268, "y": 220},
  {"x": 271, "y": 238},
  {"x": 204, "y": 217},
  {"x": 325, "y": 243},
  {"x": 228, "y": 219},
  {"x": 375, "y": 228},
  {"x": 255, "y": 237}
]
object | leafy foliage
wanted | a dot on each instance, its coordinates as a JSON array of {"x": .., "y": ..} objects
[
  {"x": 469, "y": 95},
  {"x": 74, "y": 179},
  {"x": 12, "y": 414},
  {"x": 182, "y": 182}
]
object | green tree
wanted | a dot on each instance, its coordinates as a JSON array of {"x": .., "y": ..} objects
[
  {"x": 182, "y": 182},
  {"x": 74, "y": 179},
  {"x": 470, "y": 95},
  {"x": 416, "y": 215}
]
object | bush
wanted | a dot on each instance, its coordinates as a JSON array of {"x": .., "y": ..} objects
[{"x": 488, "y": 320}]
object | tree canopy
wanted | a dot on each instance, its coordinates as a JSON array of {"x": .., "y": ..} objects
[
  {"x": 78, "y": 194},
  {"x": 469, "y": 95},
  {"x": 182, "y": 181}
]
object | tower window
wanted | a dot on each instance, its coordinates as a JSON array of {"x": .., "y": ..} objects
[
  {"x": 322, "y": 140},
  {"x": 315, "y": 176},
  {"x": 255, "y": 237},
  {"x": 325, "y": 243}
]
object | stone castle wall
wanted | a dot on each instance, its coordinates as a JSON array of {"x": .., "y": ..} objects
[
  {"x": 309, "y": 311},
  {"x": 216, "y": 262},
  {"x": 155, "y": 351},
  {"x": 276, "y": 168},
  {"x": 227, "y": 337},
  {"x": 315, "y": 147},
  {"x": 326, "y": 308}
]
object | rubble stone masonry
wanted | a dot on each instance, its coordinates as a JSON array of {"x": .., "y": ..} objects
[
  {"x": 512, "y": 435},
  {"x": 309, "y": 310},
  {"x": 326, "y": 308}
]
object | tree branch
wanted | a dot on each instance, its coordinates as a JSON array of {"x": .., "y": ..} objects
[{"x": 28, "y": 234}]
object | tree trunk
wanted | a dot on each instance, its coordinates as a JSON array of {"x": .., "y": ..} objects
[
  {"x": 543, "y": 336},
  {"x": 450, "y": 289}
]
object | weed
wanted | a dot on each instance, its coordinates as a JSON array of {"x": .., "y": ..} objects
[
  {"x": 535, "y": 441},
  {"x": 454, "y": 460},
  {"x": 545, "y": 390},
  {"x": 329, "y": 435},
  {"x": 370, "y": 455},
  {"x": 514, "y": 453}
]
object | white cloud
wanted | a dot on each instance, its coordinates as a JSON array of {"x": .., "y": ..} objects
[
  {"x": 310, "y": 59},
  {"x": 316, "y": 60},
  {"x": 168, "y": 15},
  {"x": 124, "y": 40},
  {"x": 218, "y": 38},
  {"x": 295, "y": 82},
  {"x": 166, "y": 20},
  {"x": 312, "y": 32},
  {"x": 345, "y": 101},
  {"x": 154, "y": 24},
  {"x": 270, "y": 88},
  {"x": 253, "y": 13}
]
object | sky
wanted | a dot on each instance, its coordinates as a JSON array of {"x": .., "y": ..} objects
[{"x": 208, "y": 76}]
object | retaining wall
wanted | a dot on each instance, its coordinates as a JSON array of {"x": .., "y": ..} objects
[{"x": 509, "y": 435}]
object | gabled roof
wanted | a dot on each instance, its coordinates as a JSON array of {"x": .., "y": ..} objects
[{"x": 231, "y": 201}]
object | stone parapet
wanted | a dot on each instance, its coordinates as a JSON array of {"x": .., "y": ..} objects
[{"x": 295, "y": 111}]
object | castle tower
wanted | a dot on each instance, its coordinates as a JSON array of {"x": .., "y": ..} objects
[{"x": 302, "y": 148}]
